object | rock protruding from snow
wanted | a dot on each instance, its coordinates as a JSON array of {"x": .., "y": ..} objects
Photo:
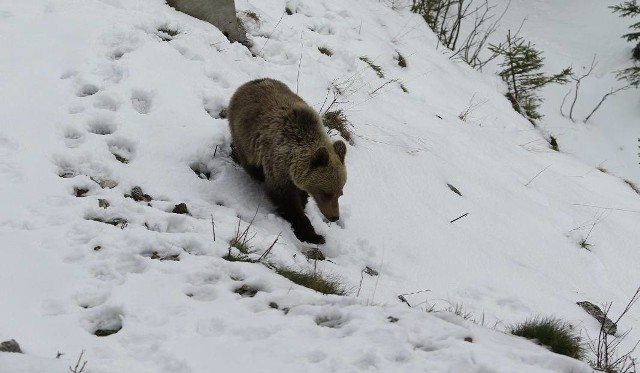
[
  {"x": 609, "y": 326},
  {"x": 10, "y": 346}
]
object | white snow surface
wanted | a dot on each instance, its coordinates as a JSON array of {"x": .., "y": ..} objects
[{"x": 83, "y": 80}]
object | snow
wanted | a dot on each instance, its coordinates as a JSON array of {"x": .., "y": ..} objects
[{"x": 84, "y": 80}]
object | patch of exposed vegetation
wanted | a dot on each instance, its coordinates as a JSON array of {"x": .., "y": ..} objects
[
  {"x": 336, "y": 120},
  {"x": 314, "y": 280},
  {"x": 378, "y": 70},
  {"x": 554, "y": 333}
]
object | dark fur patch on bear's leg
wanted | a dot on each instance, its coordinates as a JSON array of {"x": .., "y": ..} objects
[
  {"x": 304, "y": 198},
  {"x": 255, "y": 172},
  {"x": 289, "y": 205}
]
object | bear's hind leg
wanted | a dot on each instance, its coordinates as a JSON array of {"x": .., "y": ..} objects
[{"x": 290, "y": 205}]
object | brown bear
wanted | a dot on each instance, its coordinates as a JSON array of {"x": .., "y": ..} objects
[{"x": 280, "y": 140}]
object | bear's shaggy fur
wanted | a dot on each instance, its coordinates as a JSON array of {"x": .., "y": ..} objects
[{"x": 280, "y": 140}]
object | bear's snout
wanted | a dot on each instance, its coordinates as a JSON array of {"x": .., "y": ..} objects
[{"x": 334, "y": 218}]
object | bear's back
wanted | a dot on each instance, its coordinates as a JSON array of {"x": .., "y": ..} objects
[{"x": 266, "y": 117}]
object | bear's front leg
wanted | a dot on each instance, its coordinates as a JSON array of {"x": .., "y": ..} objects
[{"x": 290, "y": 206}]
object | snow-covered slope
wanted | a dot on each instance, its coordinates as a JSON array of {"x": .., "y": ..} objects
[{"x": 84, "y": 80}]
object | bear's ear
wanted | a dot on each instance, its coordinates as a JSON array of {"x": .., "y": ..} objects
[
  {"x": 340, "y": 149},
  {"x": 320, "y": 158}
]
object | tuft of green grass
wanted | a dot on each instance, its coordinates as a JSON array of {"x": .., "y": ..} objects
[
  {"x": 314, "y": 280},
  {"x": 373, "y": 66},
  {"x": 230, "y": 257},
  {"x": 403, "y": 87},
  {"x": 326, "y": 51},
  {"x": 554, "y": 333},
  {"x": 402, "y": 62},
  {"x": 336, "y": 120},
  {"x": 241, "y": 238}
]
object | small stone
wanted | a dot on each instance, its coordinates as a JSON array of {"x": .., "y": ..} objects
[
  {"x": 454, "y": 189},
  {"x": 138, "y": 195},
  {"x": 370, "y": 271},
  {"x": 106, "y": 332},
  {"x": 106, "y": 183},
  {"x": 97, "y": 248},
  {"x": 273, "y": 305},
  {"x": 121, "y": 159},
  {"x": 10, "y": 346},
  {"x": 468, "y": 339},
  {"x": 103, "y": 203},
  {"x": 246, "y": 291},
  {"x": 180, "y": 208},
  {"x": 172, "y": 257},
  {"x": 80, "y": 192},
  {"x": 393, "y": 319}
]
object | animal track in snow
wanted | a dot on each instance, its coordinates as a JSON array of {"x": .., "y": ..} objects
[
  {"x": 141, "y": 101},
  {"x": 105, "y": 321},
  {"x": 84, "y": 164},
  {"x": 76, "y": 108},
  {"x": 202, "y": 293},
  {"x": 218, "y": 78},
  {"x": 101, "y": 125},
  {"x": 333, "y": 320},
  {"x": 87, "y": 90},
  {"x": 68, "y": 74},
  {"x": 106, "y": 102},
  {"x": 119, "y": 52},
  {"x": 91, "y": 298},
  {"x": 205, "y": 170},
  {"x": 186, "y": 53},
  {"x": 73, "y": 137},
  {"x": 122, "y": 148},
  {"x": 214, "y": 106}
]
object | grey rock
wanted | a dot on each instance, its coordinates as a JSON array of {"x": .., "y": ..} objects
[
  {"x": 10, "y": 346},
  {"x": 180, "y": 208},
  {"x": 138, "y": 195},
  {"x": 106, "y": 183},
  {"x": 609, "y": 326}
]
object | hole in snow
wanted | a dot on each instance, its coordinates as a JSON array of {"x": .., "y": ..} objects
[
  {"x": 87, "y": 90},
  {"x": 101, "y": 125}
]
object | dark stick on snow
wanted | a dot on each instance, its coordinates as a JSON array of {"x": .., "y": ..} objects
[
  {"x": 213, "y": 228},
  {"x": 459, "y": 217}
]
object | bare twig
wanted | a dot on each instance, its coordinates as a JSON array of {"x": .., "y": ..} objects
[
  {"x": 606, "y": 95},
  {"x": 272, "y": 31},
  {"x": 562, "y": 103},
  {"x": 538, "y": 174},
  {"x": 299, "y": 62},
  {"x": 459, "y": 217},
  {"x": 213, "y": 229},
  {"x": 578, "y": 79},
  {"x": 81, "y": 367},
  {"x": 605, "y": 347},
  {"x": 268, "y": 251}
]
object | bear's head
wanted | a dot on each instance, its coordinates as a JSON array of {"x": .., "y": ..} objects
[{"x": 325, "y": 178}]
